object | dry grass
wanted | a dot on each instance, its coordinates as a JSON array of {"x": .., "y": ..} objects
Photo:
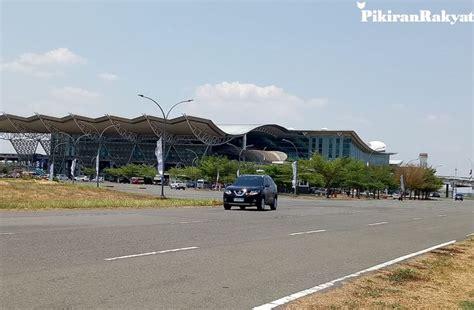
[
  {"x": 442, "y": 279},
  {"x": 40, "y": 194}
]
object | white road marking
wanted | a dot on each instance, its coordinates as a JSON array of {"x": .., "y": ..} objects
[
  {"x": 6, "y": 233},
  {"x": 151, "y": 253},
  {"x": 470, "y": 235},
  {"x": 292, "y": 297},
  {"x": 417, "y": 218},
  {"x": 190, "y": 222},
  {"x": 379, "y": 223},
  {"x": 440, "y": 215},
  {"x": 307, "y": 232}
]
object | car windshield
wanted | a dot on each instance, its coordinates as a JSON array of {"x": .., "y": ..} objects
[{"x": 249, "y": 181}]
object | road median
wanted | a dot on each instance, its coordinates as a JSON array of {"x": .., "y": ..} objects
[
  {"x": 34, "y": 194},
  {"x": 440, "y": 279}
]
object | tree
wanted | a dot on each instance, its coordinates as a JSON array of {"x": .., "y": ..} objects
[
  {"x": 88, "y": 171},
  {"x": 355, "y": 175},
  {"x": 192, "y": 173},
  {"x": 330, "y": 171},
  {"x": 419, "y": 180},
  {"x": 214, "y": 166},
  {"x": 114, "y": 172},
  {"x": 282, "y": 174},
  {"x": 132, "y": 170}
]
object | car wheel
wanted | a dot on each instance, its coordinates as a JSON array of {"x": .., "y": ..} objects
[
  {"x": 261, "y": 204},
  {"x": 274, "y": 205},
  {"x": 227, "y": 206},
  {"x": 242, "y": 207}
]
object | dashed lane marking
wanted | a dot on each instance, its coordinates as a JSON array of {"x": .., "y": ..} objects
[
  {"x": 307, "y": 232},
  {"x": 151, "y": 253},
  {"x": 379, "y": 223},
  {"x": 190, "y": 222}
]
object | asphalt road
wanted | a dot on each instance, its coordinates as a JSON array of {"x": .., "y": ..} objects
[{"x": 220, "y": 259}]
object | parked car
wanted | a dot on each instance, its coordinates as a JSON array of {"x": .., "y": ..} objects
[
  {"x": 459, "y": 197},
  {"x": 137, "y": 180},
  {"x": 191, "y": 184},
  {"x": 62, "y": 177},
  {"x": 435, "y": 195},
  {"x": 178, "y": 185},
  {"x": 101, "y": 179},
  {"x": 83, "y": 178},
  {"x": 251, "y": 190},
  {"x": 202, "y": 184},
  {"x": 124, "y": 180}
]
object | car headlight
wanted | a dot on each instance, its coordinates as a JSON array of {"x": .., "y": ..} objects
[
  {"x": 228, "y": 192},
  {"x": 254, "y": 192}
]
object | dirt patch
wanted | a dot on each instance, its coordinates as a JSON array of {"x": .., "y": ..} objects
[{"x": 442, "y": 279}]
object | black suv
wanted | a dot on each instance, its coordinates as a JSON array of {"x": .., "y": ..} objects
[{"x": 251, "y": 190}]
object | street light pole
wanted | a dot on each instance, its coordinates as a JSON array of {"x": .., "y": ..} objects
[
  {"x": 195, "y": 156},
  {"x": 53, "y": 153},
  {"x": 165, "y": 119},
  {"x": 97, "y": 163},
  {"x": 240, "y": 150},
  {"x": 75, "y": 142},
  {"x": 296, "y": 163}
]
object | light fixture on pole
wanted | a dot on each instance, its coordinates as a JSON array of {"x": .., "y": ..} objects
[
  {"x": 163, "y": 136},
  {"x": 195, "y": 156},
  {"x": 97, "y": 159},
  {"x": 240, "y": 150}
]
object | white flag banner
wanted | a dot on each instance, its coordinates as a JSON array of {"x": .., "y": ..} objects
[
  {"x": 159, "y": 156},
  {"x": 402, "y": 184},
  {"x": 51, "y": 171},
  {"x": 238, "y": 172},
  {"x": 97, "y": 166},
  {"x": 294, "y": 165},
  {"x": 73, "y": 167}
]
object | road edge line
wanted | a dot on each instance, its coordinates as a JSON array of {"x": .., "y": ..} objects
[{"x": 292, "y": 297}]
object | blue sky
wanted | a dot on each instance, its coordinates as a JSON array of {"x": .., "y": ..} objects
[{"x": 301, "y": 64}]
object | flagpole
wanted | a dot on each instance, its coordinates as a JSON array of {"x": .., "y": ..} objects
[{"x": 294, "y": 165}]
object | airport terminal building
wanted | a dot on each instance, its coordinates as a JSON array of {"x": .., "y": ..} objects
[{"x": 187, "y": 138}]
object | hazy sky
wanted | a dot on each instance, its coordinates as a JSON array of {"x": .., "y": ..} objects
[{"x": 300, "y": 64}]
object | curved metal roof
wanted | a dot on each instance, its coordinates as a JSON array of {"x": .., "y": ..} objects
[
  {"x": 140, "y": 125},
  {"x": 238, "y": 130},
  {"x": 201, "y": 128}
]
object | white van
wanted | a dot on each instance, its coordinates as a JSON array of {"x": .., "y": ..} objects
[{"x": 201, "y": 183}]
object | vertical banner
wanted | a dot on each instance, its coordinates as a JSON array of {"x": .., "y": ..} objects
[
  {"x": 97, "y": 166},
  {"x": 238, "y": 172},
  {"x": 51, "y": 171},
  {"x": 402, "y": 185},
  {"x": 159, "y": 156},
  {"x": 73, "y": 167},
  {"x": 294, "y": 165}
]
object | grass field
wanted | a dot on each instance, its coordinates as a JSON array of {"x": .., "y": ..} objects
[
  {"x": 441, "y": 279},
  {"x": 40, "y": 194}
]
